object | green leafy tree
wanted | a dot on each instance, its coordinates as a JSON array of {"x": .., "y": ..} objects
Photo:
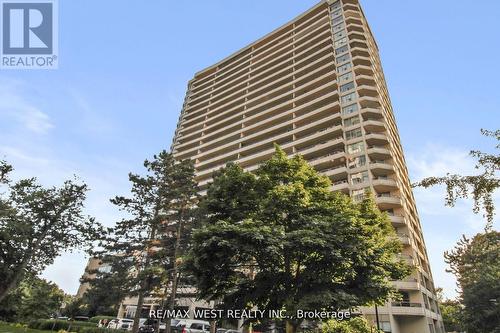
[
  {"x": 452, "y": 313},
  {"x": 39, "y": 299},
  {"x": 354, "y": 325},
  {"x": 280, "y": 239},
  {"x": 475, "y": 262},
  {"x": 74, "y": 307},
  {"x": 34, "y": 298},
  {"x": 480, "y": 188},
  {"x": 152, "y": 238},
  {"x": 37, "y": 224}
]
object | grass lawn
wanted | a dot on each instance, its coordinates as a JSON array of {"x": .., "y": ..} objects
[{"x": 6, "y": 328}]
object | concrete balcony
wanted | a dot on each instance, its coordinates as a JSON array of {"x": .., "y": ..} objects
[
  {"x": 382, "y": 184},
  {"x": 407, "y": 309},
  {"x": 355, "y": 51},
  {"x": 406, "y": 285},
  {"x": 374, "y": 125},
  {"x": 397, "y": 220},
  {"x": 388, "y": 201},
  {"x": 321, "y": 162},
  {"x": 404, "y": 239},
  {"x": 365, "y": 79},
  {"x": 369, "y": 102},
  {"x": 341, "y": 185},
  {"x": 363, "y": 70},
  {"x": 367, "y": 90},
  {"x": 376, "y": 139},
  {"x": 381, "y": 167},
  {"x": 378, "y": 152},
  {"x": 372, "y": 112}
]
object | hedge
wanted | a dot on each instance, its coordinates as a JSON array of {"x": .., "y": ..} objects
[
  {"x": 97, "y": 318},
  {"x": 72, "y": 326}
]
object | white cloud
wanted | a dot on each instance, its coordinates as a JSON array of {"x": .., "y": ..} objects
[{"x": 15, "y": 107}]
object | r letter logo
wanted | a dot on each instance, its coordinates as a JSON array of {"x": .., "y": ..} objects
[{"x": 29, "y": 34}]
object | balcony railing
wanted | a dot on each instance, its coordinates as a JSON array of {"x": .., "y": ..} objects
[{"x": 407, "y": 304}]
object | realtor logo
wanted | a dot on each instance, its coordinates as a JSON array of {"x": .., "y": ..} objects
[{"x": 29, "y": 34}]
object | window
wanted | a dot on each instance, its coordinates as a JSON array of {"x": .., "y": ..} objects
[
  {"x": 351, "y": 121},
  {"x": 359, "y": 178},
  {"x": 344, "y": 68},
  {"x": 340, "y": 42},
  {"x": 343, "y": 58},
  {"x": 348, "y": 98},
  {"x": 347, "y": 87},
  {"x": 345, "y": 78},
  {"x": 354, "y": 148},
  {"x": 342, "y": 49},
  {"x": 337, "y": 13},
  {"x": 358, "y": 195},
  {"x": 338, "y": 27},
  {"x": 337, "y": 20},
  {"x": 357, "y": 162},
  {"x": 196, "y": 326},
  {"x": 386, "y": 326},
  {"x": 349, "y": 109},
  {"x": 355, "y": 133},
  {"x": 339, "y": 34},
  {"x": 335, "y": 5}
]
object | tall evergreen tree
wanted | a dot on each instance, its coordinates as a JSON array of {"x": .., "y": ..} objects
[
  {"x": 107, "y": 288},
  {"x": 280, "y": 239},
  {"x": 151, "y": 238}
]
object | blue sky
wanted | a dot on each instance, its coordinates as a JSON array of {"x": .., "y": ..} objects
[{"x": 124, "y": 67}]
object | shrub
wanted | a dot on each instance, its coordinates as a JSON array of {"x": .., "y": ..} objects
[
  {"x": 57, "y": 325},
  {"x": 97, "y": 318},
  {"x": 354, "y": 325}
]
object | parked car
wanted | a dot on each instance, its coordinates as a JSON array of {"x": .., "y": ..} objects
[
  {"x": 149, "y": 326},
  {"x": 112, "y": 323},
  {"x": 192, "y": 326},
  {"x": 80, "y": 318},
  {"x": 226, "y": 330},
  {"x": 121, "y": 324}
]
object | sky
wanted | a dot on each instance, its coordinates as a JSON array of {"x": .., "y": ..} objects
[{"x": 124, "y": 67}]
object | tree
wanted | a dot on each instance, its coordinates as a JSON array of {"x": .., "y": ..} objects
[
  {"x": 151, "y": 239},
  {"x": 74, "y": 307},
  {"x": 354, "y": 325},
  {"x": 280, "y": 239},
  {"x": 107, "y": 288},
  {"x": 475, "y": 263},
  {"x": 451, "y": 311},
  {"x": 479, "y": 187},
  {"x": 40, "y": 299},
  {"x": 37, "y": 224},
  {"x": 34, "y": 298}
]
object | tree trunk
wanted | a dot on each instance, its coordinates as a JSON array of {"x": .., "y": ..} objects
[
  {"x": 11, "y": 285},
  {"x": 144, "y": 285},
  {"x": 290, "y": 327},
  {"x": 19, "y": 273},
  {"x": 138, "y": 312},
  {"x": 175, "y": 273}
]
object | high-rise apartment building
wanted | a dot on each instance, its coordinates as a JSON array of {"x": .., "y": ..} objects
[{"x": 316, "y": 87}]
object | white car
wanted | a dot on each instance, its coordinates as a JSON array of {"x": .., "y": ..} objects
[
  {"x": 192, "y": 326},
  {"x": 121, "y": 324}
]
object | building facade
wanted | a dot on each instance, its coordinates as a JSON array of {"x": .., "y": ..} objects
[{"x": 315, "y": 86}]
